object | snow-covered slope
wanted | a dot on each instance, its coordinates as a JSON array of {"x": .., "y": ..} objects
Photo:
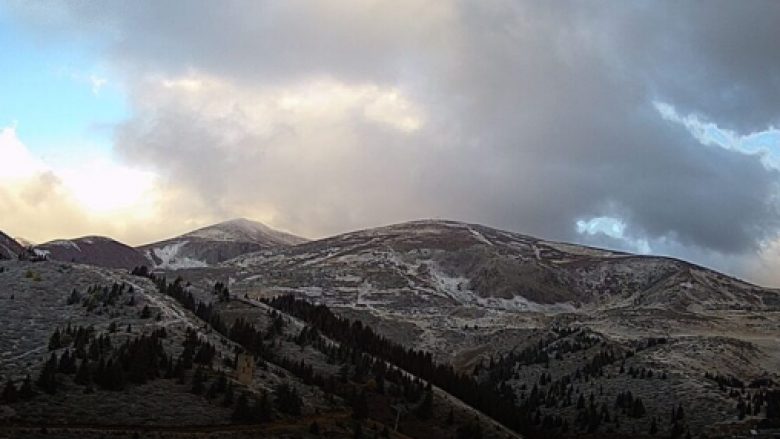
[
  {"x": 460, "y": 290},
  {"x": 437, "y": 263},
  {"x": 9, "y": 248},
  {"x": 214, "y": 244},
  {"x": 93, "y": 250}
]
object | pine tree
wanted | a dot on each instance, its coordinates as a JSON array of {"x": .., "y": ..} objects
[
  {"x": 26, "y": 392},
  {"x": 197, "y": 382},
  {"x": 242, "y": 413},
  {"x": 67, "y": 363},
  {"x": 180, "y": 372},
  {"x": 287, "y": 399},
  {"x": 55, "y": 340},
  {"x": 10, "y": 394},
  {"x": 360, "y": 406},
  {"x": 47, "y": 380},
  {"x": 264, "y": 411},
  {"x": 425, "y": 410},
  {"x": 677, "y": 430},
  {"x": 680, "y": 413},
  {"x": 212, "y": 392},
  {"x": 222, "y": 383},
  {"x": 83, "y": 376},
  {"x": 115, "y": 376}
]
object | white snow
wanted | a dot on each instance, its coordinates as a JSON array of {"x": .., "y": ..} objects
[
  {"x": 480, "y": 237},
  {"x": 169, "y": 260},
  {"x": 64, "y": 243},
  {"x": 453, "y": 287},
  {"x": 244, "y": 230}
]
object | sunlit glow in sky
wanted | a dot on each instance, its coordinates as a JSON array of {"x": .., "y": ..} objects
[{"x": 621, "y": 124}]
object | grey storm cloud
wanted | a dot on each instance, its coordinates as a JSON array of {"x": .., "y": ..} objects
[{"x": 536, "y": 114}]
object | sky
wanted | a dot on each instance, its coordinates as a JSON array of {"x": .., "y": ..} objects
[{"x": 645, "y": 126}]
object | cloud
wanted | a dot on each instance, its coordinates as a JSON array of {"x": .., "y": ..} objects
[
  {"x": 98, "y": 197},
  {"x": 532, "y": 116},
  {"x": 97, "y": 83}
]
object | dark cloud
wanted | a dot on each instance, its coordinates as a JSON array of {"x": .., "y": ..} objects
[
  {"x": 534, "y": 114},
  {"x": 716, "y": 58}
]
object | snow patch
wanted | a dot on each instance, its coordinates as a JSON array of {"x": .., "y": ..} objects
[
  {"x": 64, "y": 243},
  {"x": 480, "y": 237},
  {"x": 169, "y": 260}
]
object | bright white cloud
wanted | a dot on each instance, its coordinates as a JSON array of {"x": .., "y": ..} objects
[
  {"x": 81, "y": 199},
  {"x": 102, "y": 186},
  {"x": 345, "y": 114},
  {"x": 260, "y": 108},
  {"x": 17, "y": 163},
  {"x": 97, "y": 83}
]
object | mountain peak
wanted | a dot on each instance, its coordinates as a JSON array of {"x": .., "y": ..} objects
[
  {"x": 217, "y": 243},
  {"x": 242, "y": 221},
  {"x": 96, "y": 250},
  {"x": 245, "y": 230}
]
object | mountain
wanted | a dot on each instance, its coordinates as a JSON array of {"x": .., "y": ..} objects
[
  {"x": 136, "y": 356},
  {"x": 93, "y": 250},
  {"x": 521, "y": 312},
  {"x": 446, "y": 264},
  {"x": 435, "y": 324},
  {"x": 24, "y": 242},
  {"x": 9, "y": 248},
  {"x": 214, "y": 244}
]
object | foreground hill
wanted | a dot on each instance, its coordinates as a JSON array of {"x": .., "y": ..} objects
[
  {"x": 438, "y": 324},
  {"x": 114, "y": 354},
  {"x": 9, "y": 248},
  {"x": 214, "y": 244},
  {"x": 520, "y": 312},
  {"x": 93, "y": 250}
]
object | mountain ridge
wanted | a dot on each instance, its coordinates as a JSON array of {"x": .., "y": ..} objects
[
  {"x": 9, "y": 247},
  {"x": 472, "y": 263},
  {"x": 216, "y": 243},
  {"x": 509, "y": 311},
  {"x": 100, "y": 251}
]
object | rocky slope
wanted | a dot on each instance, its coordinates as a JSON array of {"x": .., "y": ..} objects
[
  {"x": 472, "y": 295},
  {"x": 93, "y": 250},
  {"x": 214, "y": 244},
  {"x": 9, "y": 248},
  {"x": 444, "y": 263},
  {"x": 131, "y": 357},
  {"x": 565, "y": 330}
]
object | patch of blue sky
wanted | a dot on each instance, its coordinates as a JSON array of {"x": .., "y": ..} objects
[
  {"x": 609, "y": 226},
  {"x": 57, "y": 95},
  {"x": 614, "y": 228},
  {"x": 764, "y": 143}
]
